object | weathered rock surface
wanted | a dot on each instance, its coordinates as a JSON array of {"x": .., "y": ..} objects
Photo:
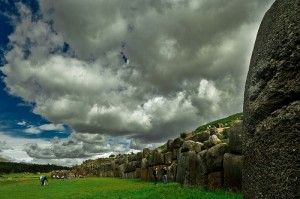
[
  {"x": 168, "y": 158},
  {"x": 175, "y": 153},
  {"x": 121, "y": 159},
  {"x": 235, "y": 134},
  {"x": 177, "y": 143},
  {"x": 186, "y": 160},
  {"x": 144, "y": 163},
  {"x": 212, "y": 141},
  {"x": 170, "y": 145},
  {"x": 272, "y": 107},
  {"x": 146, "y": 152},
  {"x": 214, "y": 157},
  {"x": 144, "y": 174},
  {"x": 187, "y": 168},
  {"x": 213, "y": 130},
  {"x": 201, "y": 169},
  {"x": 215, "y": 180},
  {"x": 201, "y": 137},
  {"x": 190, "y": 145},
  {"x": 132, "y": 166},
  {"x": 233, "y": 165},
  {"x": 61, "y": 174},
  {"x": 156, "y": 158},
  {"x": 172, "y": 169},
  {"x": 121, "y": 170}
]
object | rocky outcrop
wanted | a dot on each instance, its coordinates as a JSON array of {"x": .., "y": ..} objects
[
  {"x": 201, "y": 169},
  {"x": 156, "y": 158},
  {"x": 215, "y": 180},
  {"x": 62, "y": 174},
  {"x": 186, "y": 168},
  {"x": 233, "y": 165},
  {"x": 201, "y": 137},
  {"x": 214, "y": 157},
  {"x": 190, "y": 145},
  {"x": 272, "y": 107},
  {"x": 236, "y": 135},
  {"x": 188, "y": 161}
]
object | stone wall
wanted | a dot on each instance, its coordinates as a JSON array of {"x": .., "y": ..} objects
[{"x": 208, "y": 159}]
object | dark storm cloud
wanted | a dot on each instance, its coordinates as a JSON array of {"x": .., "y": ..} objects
[{"x": 78, "y": 145}]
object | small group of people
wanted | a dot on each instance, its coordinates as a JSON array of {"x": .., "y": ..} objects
[
  {"x": 164, "y": 172},
  {"x": 43, "y": 180}
]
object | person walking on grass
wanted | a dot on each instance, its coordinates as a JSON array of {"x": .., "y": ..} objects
[
  {"x": 155, "y": 174},
  {"x": 164, "y": 172},
  {"x": 43, "y": 180}
]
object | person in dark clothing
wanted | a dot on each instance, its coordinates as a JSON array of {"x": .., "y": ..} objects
[
  {"x": 164, "y": 172},
  {"x": 43, "y": 180},
  {"x": 155, "y": 174}
]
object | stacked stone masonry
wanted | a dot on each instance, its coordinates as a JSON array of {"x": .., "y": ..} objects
[{"x": 208, "y": 159}]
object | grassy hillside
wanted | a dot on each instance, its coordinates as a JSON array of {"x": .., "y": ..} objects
[
  {"x": 27, "y": 186},
  {"x": 227, "y": 122}
]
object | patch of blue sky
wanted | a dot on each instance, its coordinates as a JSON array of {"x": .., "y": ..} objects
[{"x": 13, "y": 109}]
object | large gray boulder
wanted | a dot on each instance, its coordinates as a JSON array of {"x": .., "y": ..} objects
[
  {"x": 146, "y": 152},
  {"x": 168, "y": 158},
  {"x": 131, "y": 157},
  {"x": 156, "y": 158},
  {"x": 130, "y": 175},
  {"x": 144, "y": 174},
  {"x": 214, "y": 157},
  {"x": 201, "y": 169},
  {"x": 233, "y": 165},
  {"x": 177, "y": 143},
  {"x": 121, "y": 159},
  {"x": 212, "y": 141},
  {"x": 201, "y": 137},
  {"x": 182, "y": 164},
  {"x": 139, "y": 156},
  {"x": 135, "y": 157},
  {"x": 132, "y": 166},
  {"x": 272, "y": 107},
  {"x": 121, "y": 170},
  {"x": 235, "y": 135},
  {"x": 172, "y": 171},
  {"x": 144, "y": 163},
  {"x": 187, "y": 168},
  {"x": 190, "y": 145},
  {"x": 170, "y": 145},
  {"x": 215, "y": 180},
  {"x": 175, "y": 153}
]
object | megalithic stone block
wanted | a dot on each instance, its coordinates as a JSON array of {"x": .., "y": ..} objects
[
  {"x": 272, "y": 107},
  {"x": 233, "y": 165}
]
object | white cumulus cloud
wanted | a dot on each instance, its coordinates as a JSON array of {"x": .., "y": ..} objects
[{"x": 188, "y": 63}]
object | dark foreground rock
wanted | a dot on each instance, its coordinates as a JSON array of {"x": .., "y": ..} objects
[
  {"x": 272, "y": 107},
  {"x": 233, "y": 165},
  {"x": 215, "y": 180}
]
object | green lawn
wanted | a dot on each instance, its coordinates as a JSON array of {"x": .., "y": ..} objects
[{"x": 27, "y": 186}]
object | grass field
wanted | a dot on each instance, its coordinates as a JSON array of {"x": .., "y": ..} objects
[{"x": 25, "y": 186}]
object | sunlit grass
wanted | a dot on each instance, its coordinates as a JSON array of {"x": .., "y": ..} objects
[{"x": 27, "y": 186}]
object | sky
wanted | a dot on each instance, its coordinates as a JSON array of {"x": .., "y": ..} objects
[{"x": 84, "y": 79}]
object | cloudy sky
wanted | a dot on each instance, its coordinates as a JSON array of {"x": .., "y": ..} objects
[{"x": 84, "y": 78}]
